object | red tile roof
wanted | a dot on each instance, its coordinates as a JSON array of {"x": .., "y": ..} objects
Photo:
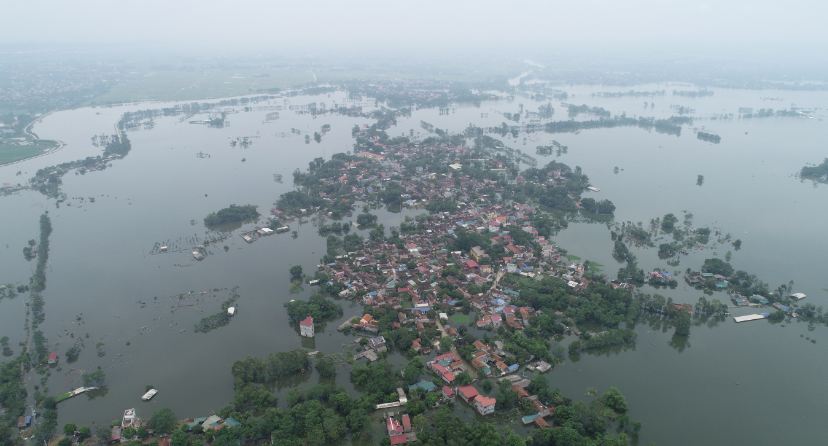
[
  {"x": 307, "y": 322},
  {"x": 467, "y": 392}
]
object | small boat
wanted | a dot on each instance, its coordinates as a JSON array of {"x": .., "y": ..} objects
[
  {"x": 593, "y": 189},
  {"x": 198, "y": 253},
  {"x": 150, "y": 393}
]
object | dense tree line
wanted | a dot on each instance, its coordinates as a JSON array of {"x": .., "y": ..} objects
[
  {"x": 670, "y": 126},
  {"x": 270, "y": 370},
  {"x": 321, "y": 308},
  {"x": 231, "y": 214}
]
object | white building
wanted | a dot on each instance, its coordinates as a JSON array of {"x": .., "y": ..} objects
[{"x": 306, "y": 327}]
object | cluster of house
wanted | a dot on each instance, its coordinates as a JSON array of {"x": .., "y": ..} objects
[
  {"x": 251, "y": 236},
  {"x": 490, "y": 361},
  {"x": 211, "y": 423},
  {"x": 659, "y": 277},
  {"x": 130, "y": 420},
  {"x": 409, "y": 278},
  {"x": 446, "y": 366},
  {"x": 422, "y": 279},
  {"x": 400, "y": 431},
  {"x": 372, "y": 349},
  {"x": 484, "y": 405},
  {"x": 698, "y": 279}
]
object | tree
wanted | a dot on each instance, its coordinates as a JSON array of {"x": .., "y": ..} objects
[
  {"x": 163, "y": 421},
  {"x": 462, "y": 379},
  {"x": 296, "y": 273},
  {"x": 614, "y": 399},
  {"x": 717, "y": 266},
  {"x": 94, "y": 379},
  {"x": 486, "y": 386},
  {"x": 180, "y": 438},
  {"x": 84, "y": 433},
  {"x": 326, "y": 367},
  {"x": 366, "y": 219},
  {"x": 445, "y": 344},
  {"x": 682, "y": 323},
  {"x": 69, "y": 429},
  {"x": 506, "y": 398},
  {"x": 668, "y": 223},
  {"x": 413, "y": 370}
]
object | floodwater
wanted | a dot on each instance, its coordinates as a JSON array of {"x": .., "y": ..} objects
[{"x": 751, "y": 383}]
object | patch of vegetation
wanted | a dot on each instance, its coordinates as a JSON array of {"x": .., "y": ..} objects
[
  {"x": 818, "y": 173},
  {"x": 219, "y": 319},
  {"x": 318, "y": 306},
  {"x": 232, "y": 214}
]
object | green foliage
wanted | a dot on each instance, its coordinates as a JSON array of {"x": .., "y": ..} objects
[
  {"x": 376, "y": 378},
  {"x": 219, "y": 319},
  {"x": 326, "y": 367},
  {"x": 232, "y": 214},
  {"x": 117, "y": 145},
  {"x": 294, "y": 201},
  {"x": 296, "y": 273},
  {"x": 12, "y": 396},
  {"x": 412, "y": 371},
  {"x": 603, "y": 207},
  {"x": 670, "y": 126},
  {"x": 270, "y": 370},
  {"x": 682, "y": 324},
  {"x": 94, "y": 379},
  {"x": 667, "y": 250},
  {"x": 366, "y": 220},
  {"x": 321, "y": 308},
  {"x": 668, "y": 223},
  {"x": 442, "y": 427},
  {"x": 717, "y": 266},
  {"x": 621, "y": 252},
  {"x": 506, "y": 398},
  {"x": 607, "y": 341},
  {"x": 163, "y": 421},
  {"x": 38, "y": 280}
]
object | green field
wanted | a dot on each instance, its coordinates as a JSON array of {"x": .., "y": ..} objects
[
  {"x": 460, "y": 319},
  {"x": 11, "y": 151}
]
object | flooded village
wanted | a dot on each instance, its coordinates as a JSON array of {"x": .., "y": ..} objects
[{"x": 461, "y": 296}]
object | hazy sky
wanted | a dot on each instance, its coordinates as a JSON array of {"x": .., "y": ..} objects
[{"x": 424, "y": 24}]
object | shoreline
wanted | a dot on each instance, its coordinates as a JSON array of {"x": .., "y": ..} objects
[{"x": 33, "y": 137}]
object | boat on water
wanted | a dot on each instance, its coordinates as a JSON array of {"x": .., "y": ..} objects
[
  {"x": 150, "y": 393},
  {"x": 593, "y": 189}
]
